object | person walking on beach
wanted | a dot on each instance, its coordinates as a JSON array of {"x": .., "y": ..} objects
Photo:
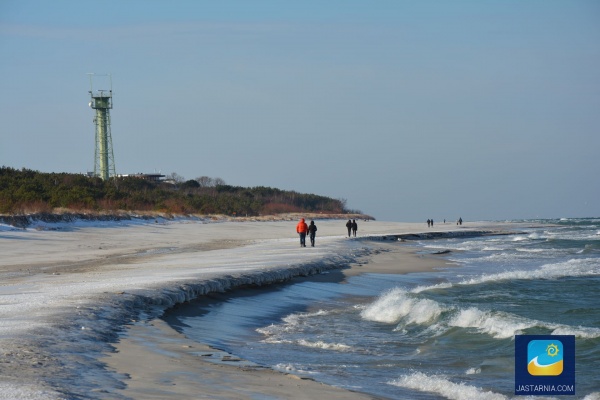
[
  {"x": 302, "y": 228},
  {"x": 428, "y": 223},
  {"x": 312, "y": 232},
  {"x": 354, "y": 227},
  {"x": 349, "y": 226}
]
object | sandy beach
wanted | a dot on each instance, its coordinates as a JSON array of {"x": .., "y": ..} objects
[{"x": 51, "y": 280}]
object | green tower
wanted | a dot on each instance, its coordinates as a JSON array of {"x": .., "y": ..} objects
[{"x": 104, "y": 164}]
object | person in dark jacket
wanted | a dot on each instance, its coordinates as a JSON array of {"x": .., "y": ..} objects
[
  {"x": 354, "y": 227},
  {"x": 312, "y": 232},
  {"x": 349, "y": 226}
]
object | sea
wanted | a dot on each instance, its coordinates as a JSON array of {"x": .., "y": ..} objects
[{"x": 443, "y": 334}]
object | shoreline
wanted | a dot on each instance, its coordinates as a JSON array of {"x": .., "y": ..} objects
[
  {"x": 71, "y": 282},
  {"x": 174, "y": 358}
]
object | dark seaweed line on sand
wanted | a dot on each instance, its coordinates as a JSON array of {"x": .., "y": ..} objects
[{"x": 444, "y": 235}]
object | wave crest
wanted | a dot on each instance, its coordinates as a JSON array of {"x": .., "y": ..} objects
[
  {"x": 444, "y": 387},
  {"x": 574, "y": 267},
  {"x": 325, "y": 346},
  {"x": 397, "y": 304},
  {"x": 502, "y": 325},
  {"x": 497, "y": 325}
]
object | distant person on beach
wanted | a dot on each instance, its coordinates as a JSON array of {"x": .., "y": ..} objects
[
  {"x": 349, "y": 226},
  {"x": 354, "y": 227},
  {"x": 428, "y": 223},
  {"x": 302, "y": 229},
  {"x": 432, "y": 223},
  {"x": 460, "y": 221},
  {"x": 312, "y": 232}
]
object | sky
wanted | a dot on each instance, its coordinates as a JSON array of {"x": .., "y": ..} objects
[{"x": 408, "y": 110}]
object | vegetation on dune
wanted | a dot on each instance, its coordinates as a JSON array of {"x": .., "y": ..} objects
[{"x": 25, "y": 191}]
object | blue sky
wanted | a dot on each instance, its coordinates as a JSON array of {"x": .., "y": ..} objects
[{"x": 409, "y": 110}]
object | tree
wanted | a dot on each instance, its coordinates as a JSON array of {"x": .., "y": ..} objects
[
  {"x": 205, "y": 181},
  {"x": 23, "y": 191},
  {"x": 175, "y": 177},
  {"x": 191, "y": 184}
]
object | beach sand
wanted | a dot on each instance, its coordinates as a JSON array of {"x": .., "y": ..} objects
[{"x": 154, "y": 360}]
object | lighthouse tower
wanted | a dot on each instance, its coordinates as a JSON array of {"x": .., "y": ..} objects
[{"x": 101, "y": 101}]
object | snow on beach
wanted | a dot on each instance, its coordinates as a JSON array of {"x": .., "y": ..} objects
[{"x": 68, "y": 289}]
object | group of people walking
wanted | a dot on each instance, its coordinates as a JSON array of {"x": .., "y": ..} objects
[
  {"x": 303, "y": 230},
  {"x": 352, "y": 227},
  {"x": 430, "y": 222},
  {"x": 311, "y": 230}
]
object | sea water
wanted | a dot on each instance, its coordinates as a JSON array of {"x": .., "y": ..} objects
[{"x": 442, "y": 334}]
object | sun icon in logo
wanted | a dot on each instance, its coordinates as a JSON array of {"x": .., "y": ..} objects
[{"x": 552, "y": 350}]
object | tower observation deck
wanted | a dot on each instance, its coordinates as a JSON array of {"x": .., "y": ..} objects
[{"x": 101, "y": 101}]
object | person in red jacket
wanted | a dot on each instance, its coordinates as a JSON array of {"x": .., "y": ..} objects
[{"x": 302, "y": 228}]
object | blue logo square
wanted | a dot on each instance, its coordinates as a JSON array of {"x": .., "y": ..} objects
[
  {"x": 544, "y": 365},
  {"x": 545, "y": 357}
]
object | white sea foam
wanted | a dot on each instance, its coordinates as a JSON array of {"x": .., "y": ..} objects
[
  {"x": 492, "y": 248},
  {"x": 297, "y": 318},
  {"x": 444, "y": 387},
  {"x": 319, "y": 344},
  {"x": 443, "y": 285},
  {"x": 290, "y": 368},
  {"x": 577, "y": 331},
  {"x": 323, "y": 345},
  {"x": 527, "y": 250},
  {"x": 270, "y": 330},
  {"x": 504, "y": 257},
  {"x": 535, "y": 236},
  {"x": 498, "y": 325},
  {"x": 574, "y": 267},
  {"x": 397, "y": 304},
  {"x": 452, "y": 245},
  {"x": 293, "y": 323},
  {"x": 501, "y": 325}
]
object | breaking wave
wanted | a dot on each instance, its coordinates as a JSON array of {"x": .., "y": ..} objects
[
  {"x": 397, "y": 304},
  {"x": 444, "y": 387},
  {"x": 574, "y": 267},
  {"x": 400, "y": 307}
]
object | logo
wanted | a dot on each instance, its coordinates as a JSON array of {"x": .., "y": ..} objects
[
  {"x": 544, "y": 365},
  {"x": 545, "y": 357}
]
